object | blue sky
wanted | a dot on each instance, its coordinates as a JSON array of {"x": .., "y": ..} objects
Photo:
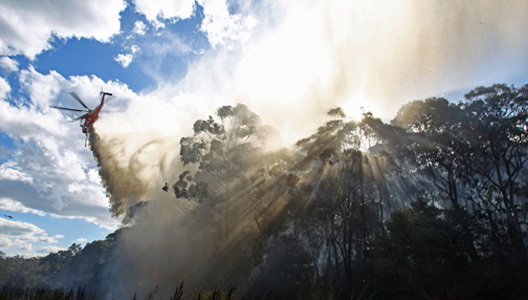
[{"x": 170, "y": 62}]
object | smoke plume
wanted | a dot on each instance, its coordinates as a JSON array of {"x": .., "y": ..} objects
[
  {"x": 312, "y": 56},
  {"x": 131, "y": 170}
]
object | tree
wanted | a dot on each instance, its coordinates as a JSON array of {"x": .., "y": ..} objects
[
  {"x": 342, "y": 215},
  {"x": 433, "y": 143},
  {"x": 222, "y": 150},
  {"x": 475, "y": 154},
  {"x": 285, "y": 272},
  {"x": 497, "y": 138},
  {"x": 418, "y": 258}
]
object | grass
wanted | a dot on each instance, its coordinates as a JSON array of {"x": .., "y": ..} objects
[{"x": 17, "y": 293}]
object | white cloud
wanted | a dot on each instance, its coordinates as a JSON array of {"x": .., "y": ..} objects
[
  {"x": 51, "y": 172},
  {"x": 49, "y": 249},
  {"x": 9, "y": 171},
  {"x": 98, "y": 19},
  {"x": 48, "y": 240},
  {"x": 17, "y": 235},
  {"x": 25, "y": 247},
  {"x": 81, "y": 240},
  {"x": 165, "y": 9},
  {"x": 5, "y": 242},
  {"x": 125, "y": 59},
  {"x": 134, "y": 49},
  {"x": 93, "y": 176},
  {"x": 19, "y": 229},
  {"x": 221, "y": 27},
  {"x": 42, "y": 88},
  {"x": 171, "y": 44},
  {"x": 8, "y": 64},
  {"x": 5, "y": 88},
  {"x": 139, "y": 28},
  {"x": 11, "y": 205}
]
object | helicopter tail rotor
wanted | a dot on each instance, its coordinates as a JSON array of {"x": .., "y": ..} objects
[{"x": 104, "y": 93}]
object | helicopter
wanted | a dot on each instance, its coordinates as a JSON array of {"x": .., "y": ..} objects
[{"x": 90, "y": 116}]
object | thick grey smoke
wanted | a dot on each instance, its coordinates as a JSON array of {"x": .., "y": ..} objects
[
  {"x": 130, "y": 173},
  {"x": 168, "y": 239},
  {"x": 162, "y": 248}
]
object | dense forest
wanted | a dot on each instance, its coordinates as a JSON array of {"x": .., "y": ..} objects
[{"x": 432, "y": 205}]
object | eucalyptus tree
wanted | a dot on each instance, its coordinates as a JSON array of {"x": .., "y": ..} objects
[
  {"x": 344, "y": 205},
  {"x": 474, "y": 153},
  {"x": 220, "y": 155},
  {"x": 496, "y": 134},
  {"x": 433, "y": 144}
]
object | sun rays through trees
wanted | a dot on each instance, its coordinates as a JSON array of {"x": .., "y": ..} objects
[{"x": 431, "y": 205}]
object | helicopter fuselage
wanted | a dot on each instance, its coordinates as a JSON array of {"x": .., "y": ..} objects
[{"x": 92, "y": 116}]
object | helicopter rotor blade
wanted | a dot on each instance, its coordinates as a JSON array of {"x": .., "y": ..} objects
[
  {"x": 112, "y": 111},
  {"x": 65, "y": 108},
  {"x": 76, "y": 97}
]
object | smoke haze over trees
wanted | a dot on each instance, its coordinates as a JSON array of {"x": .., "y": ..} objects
[{"x": 431, "y": 205}]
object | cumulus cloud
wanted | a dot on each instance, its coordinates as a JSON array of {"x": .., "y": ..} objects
[
  {"x": 98, "y": 19},
  {"x": 125, "y": 59},
  {"x": 81, "y": 240},
  {"x": 8, "y": 64},
  {"x": 25, "y": 247},
  {"x": 41, "y": 88},
  {"x": 49, "y": 249},
  {"x": 165, "y": 9},
  {"x": 51, "y": 171},
  {"x": 139, "y": 28},
  {"x": 11, "y": 205},
  {"x": 19, "y": 229},
  {"x": 50, "y": 239},
  {"x": 221, "y": 27},
  {"x": 9, "y": 171},
  {"x": 22, "y": 236},
  {"x": 63, "y": 19},
  {"x": 5, "y": 88},
  {"x": 5, "y": 242}
]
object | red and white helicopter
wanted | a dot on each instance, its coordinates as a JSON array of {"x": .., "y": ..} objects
[{"x": 90, "y": 116}]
